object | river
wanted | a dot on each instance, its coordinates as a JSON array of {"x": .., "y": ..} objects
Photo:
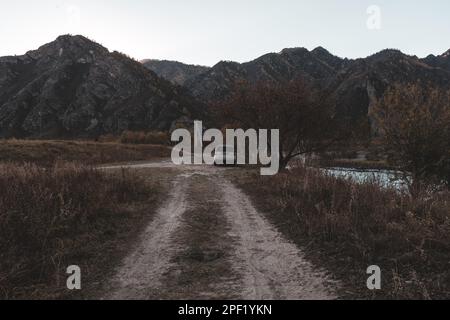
[{"x": 385, "y": 178}]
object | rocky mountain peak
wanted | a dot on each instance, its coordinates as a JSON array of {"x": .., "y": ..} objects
[
  {"x": 68, "y": 38},
  {"x": 74, "y": 87},
  {"x": 174, "y": 71},
  {"x": 354, "y": 84},
  {"x": 68, "y": 47},
  {"x": 442, "y": 61},
  {"x": 446, "y": 54},
  {"x": 387, "y": 54},
  {"x": 321, "y": 51},
  {"x": 325, "y": 56},
  {"x": 226, "y": 64},
  {"x": 299, "y": 51}
]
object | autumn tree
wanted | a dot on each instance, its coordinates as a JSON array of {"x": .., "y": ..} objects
[
  {"x": 302, "y": 113},
  {"x": 414, "y": 125}
]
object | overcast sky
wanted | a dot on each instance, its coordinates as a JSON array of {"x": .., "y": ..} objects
[{"x": 207, "y": 31}]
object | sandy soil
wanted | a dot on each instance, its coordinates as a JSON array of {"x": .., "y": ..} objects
[
  {"x": 209, "y": 242},
  {"x": 141, "y": 272},
  {"x": 271, "y": 266}
]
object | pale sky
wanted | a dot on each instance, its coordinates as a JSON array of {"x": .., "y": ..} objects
[{"x": 207, "y": 31}]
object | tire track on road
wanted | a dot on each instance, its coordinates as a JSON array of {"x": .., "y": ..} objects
[
  {"x": 271, "y": 266},
  {"x": 208, "y": 241},
  {"x": 139, "y": 275}
]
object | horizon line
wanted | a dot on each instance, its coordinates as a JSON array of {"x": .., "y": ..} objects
[{"x": 233, "y": 61}]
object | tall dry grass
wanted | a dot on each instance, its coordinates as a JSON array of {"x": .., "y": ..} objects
[
  {"x": 140, "y": 137},
  {"x": 355, "y": 225},
  {"x": 55, "y": 217},
  {"x": 47, "y": 153}
]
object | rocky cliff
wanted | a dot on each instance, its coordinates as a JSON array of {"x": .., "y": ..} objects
[
  {"x": 74, "y": 87},
  {"x": 354, "y": 84},
  {"x": 175, "y": 72}
]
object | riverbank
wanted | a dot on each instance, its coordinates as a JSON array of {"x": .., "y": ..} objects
[{"x": 348, "y": 226}]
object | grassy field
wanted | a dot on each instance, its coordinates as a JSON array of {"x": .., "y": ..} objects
[
  {"x": 66, "y": 215},
  {"x": 55, "y": 213},
  {"x": 347, "y": 227},
  {"x": 47, "y": 153},
  {"x": 56, "y": 210}
]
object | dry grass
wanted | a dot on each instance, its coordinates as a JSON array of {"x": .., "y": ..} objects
[
  {"x": 55, "y": 217},
  {"x": 349, "y": 226},
  {"x": 140, "y": 137},
  {"x": 354, "y": 164},
  {"x": 48, "y": 153}
]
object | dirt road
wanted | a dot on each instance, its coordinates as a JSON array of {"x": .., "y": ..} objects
[{"x": 209, "y": 242}]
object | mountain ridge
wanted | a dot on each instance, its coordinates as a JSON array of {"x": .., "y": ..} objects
[
  {"x": 174, "y": 71},
  {"x": 355, "y": 84},
  {"x": 74, "y": 87}
]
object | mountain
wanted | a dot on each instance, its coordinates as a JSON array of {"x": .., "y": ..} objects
[
  {"x": 363, "y": 81},
  {"x": 316, "y": 65},
  {"x": 354, "y": 84},
  {"x": 442, "y": 61},
  {"x": 74, "y": 87},
  {"x": 175, "y": 72}
]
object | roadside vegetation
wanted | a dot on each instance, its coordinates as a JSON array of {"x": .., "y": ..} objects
[
  {"x": 57, "y": 210},
  {"x": 303, "y": 113},
  {"x": 353, "y": 155},
  {"x": 414, "y": 126},
  {"x": 349, "y": 226},
  {"x": 51, "y": 218},
  {"x": 140, "y": 137},
  {"x": 47, "y": 153}
]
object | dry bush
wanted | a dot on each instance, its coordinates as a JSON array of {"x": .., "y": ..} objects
[
  {"x": 131, "y": 137},
  {"x": 56, "y": 217},
  {"x": 358, "y": 225},
  {"x": 158, "y": 138},
  {"x": 414, "y": 124},
  {"x": 140, "y": 137},
  {"x": 107, "y": 138},
  {"x": 303, "y": 114}
]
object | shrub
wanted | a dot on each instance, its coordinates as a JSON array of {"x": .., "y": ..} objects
[{"x": 414, "y": 123}]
